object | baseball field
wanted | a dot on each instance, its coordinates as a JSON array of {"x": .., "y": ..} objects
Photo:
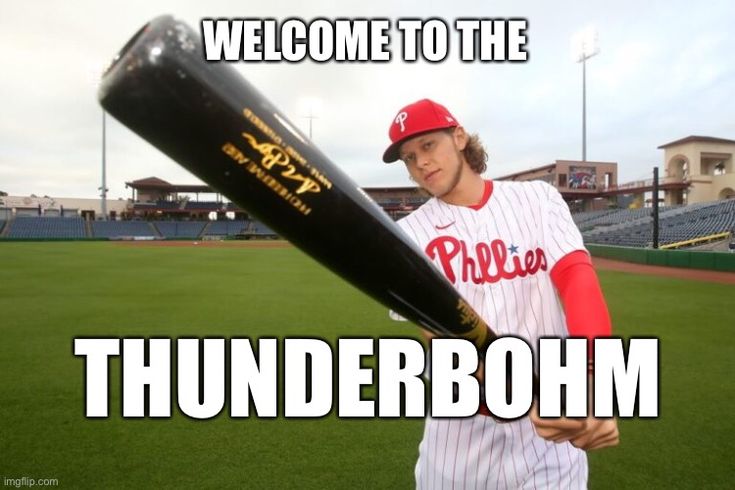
[{"x": 51, "y": 293}]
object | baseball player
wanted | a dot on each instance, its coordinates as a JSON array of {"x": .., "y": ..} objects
[{"x": 513, "y": 252}]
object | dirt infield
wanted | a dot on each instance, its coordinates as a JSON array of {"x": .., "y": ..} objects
[
  {"x": 655, "y": 270},
  {"x": 208, "y": 243}
]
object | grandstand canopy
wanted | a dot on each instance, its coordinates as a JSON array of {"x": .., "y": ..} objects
[{"x": 156, "y": 184}]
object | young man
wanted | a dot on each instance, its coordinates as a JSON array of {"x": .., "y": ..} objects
[{"x": 510, "y": 219}]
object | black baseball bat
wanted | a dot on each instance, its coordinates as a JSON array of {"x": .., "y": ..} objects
[{"x": 212, "y": 121}]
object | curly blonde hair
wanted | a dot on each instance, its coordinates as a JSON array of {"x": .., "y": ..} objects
[{"x": 475, "y": 154}]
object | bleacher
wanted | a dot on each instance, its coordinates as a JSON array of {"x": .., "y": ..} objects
[
  {"x": 622, "y": 227},
  {"x": 42, "y": 227},
  {"x": 676, "y": 224},
  {"x": 416, "y": 201},
  {"x": 582, "y": 216},
  {"x": 180, "y": 229},
  {"x": 397, "y": 202},
  {"x": 261, "y": 230},
  {"x": 116, "y": 229},
  {"x": 203, "y": 205},
  {"x": 226, "y": 227},
  {"x": 615, "y": 217},
  {"x": 581, "y": 219},
  {"x": 389, "y": 201},
  {"x": 163, "y": 205},
  {"x": 168, "y": 205}
]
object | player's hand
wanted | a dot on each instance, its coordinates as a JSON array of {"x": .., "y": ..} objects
[
  {"x": 587, "y": 433},
  {"x": 559, "y": 429},
  {"x": 598, "y": 434}
]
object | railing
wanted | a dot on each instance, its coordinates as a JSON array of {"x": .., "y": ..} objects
[
  {"x": 694, "y": 241},
  {"x": 637, "y": 184}
]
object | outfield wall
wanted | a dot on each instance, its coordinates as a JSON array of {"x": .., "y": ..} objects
[{"x": 718, "y": 261}]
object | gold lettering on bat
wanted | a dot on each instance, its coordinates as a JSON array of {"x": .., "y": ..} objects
[
  {"x": 260, "y": 124},
  {"x": 469, "y": 317},
  {"x": 236, "y": 155},
  {"x": 295, "y": 155},
  {"x": 290, "y": 150},
  {"x": 278, "y": 188},
  {"x": 274, "y": 155},
  {"x": 307, "y": 185},
  {"x": 320, "y": 177},
  {"x": 233, "y": 152}
]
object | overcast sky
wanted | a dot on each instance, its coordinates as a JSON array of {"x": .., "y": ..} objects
[{"x": 664, "y": 71}]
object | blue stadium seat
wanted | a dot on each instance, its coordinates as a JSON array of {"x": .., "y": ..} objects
[
  {"x": 260, "y": 229},
  {"x": 204, "y": 205},
  {"x": 634, "y": 228},
  {"x": 226, "y": 227},
  {"x": 180, "y": 229},
  {"x": 43, "y": 227},
  {"x": 114, "y": 229}
]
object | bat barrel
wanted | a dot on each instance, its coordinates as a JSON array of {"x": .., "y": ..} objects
[{"x": 212, "y": 121}]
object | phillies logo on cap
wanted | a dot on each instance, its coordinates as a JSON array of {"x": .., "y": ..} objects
[
  {"x": 401, "y": 118},
  {"x": 426, "y": 115}
]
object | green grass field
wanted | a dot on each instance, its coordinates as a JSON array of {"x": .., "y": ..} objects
[{"x": 53, "y": 292}]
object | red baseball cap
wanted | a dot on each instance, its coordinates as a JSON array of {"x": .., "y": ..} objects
[{"x": 415, "y": 119}]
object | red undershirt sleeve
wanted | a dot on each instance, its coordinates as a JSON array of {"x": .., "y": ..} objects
[{"x": 579, "y": 290}]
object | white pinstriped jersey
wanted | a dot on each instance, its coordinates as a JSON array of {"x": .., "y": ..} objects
[{"x": 499, "y": 257}]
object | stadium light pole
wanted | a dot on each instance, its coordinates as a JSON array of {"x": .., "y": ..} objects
[
  {"x": 94, "y": 73},
  {"x": 103, "y": 188},
  {"x": 585, "y": 46},
  {"x": 654, "y": 211},
  {"x": 311, "y": 105},
  {"x": 311, "y": 118}
]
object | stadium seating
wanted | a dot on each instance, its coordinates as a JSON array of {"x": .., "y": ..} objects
[
  {"x": 42, "y": 227},
  {"x": 260, "y": 229},
  {"x": 238, "y": 227},
  {"x": 676, "y": 224},
  {"x": 226, "y": 227},
  {"x": 180, "y": 229},
  {"x": 145, "y": 206},
  {"x": 622, "y": 227},
  {"x": 416, "y": 201},
  {"x": 398, "y": 202},
  {"x": 168, "y": 205},
  {"x": 613, "y": 217},
  {"x": 204, "y": 205},
  {"x": 158, "y": 205},
  {"x": 114, "y": 229}
]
